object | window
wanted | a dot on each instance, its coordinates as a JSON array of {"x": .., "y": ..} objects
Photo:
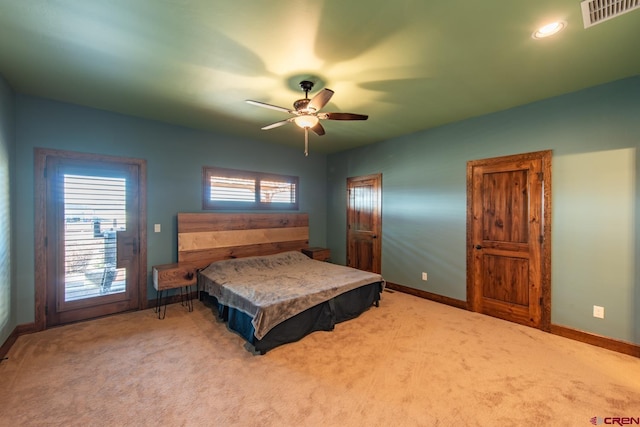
[{"x": 237, "y": 189}]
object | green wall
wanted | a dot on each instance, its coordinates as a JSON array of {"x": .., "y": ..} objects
[
  {"x": 174, "y": 155},
  {"x": 595, "y": 138},
  {"x": 594, "y": 135},
  {"x": 7, "y": 283}
]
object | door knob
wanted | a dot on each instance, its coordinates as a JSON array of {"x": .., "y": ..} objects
[{"x": 478, "y": 247}]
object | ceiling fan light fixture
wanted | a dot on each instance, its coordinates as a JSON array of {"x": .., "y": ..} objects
[
  {"x": 549, "y": 29},
  {"x": 306, "y": 121}
]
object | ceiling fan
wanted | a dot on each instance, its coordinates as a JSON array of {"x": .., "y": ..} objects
[{"x": 306, "y": 112}]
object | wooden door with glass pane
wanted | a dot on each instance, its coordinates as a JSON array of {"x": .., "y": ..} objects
[
  {"x": 92, "y": 239},
  {"x": 364, "y": 222}
]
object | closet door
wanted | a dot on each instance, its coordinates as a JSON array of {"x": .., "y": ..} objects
[
  {"x": 508, "y": 237},
  {"x": 364, "y": 222}
]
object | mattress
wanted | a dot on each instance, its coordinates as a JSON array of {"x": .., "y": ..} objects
[{"x": 271, "y": 289}]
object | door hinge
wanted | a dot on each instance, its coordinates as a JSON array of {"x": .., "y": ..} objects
[
  {"x": 540, "y": 176},
  {"x": 540, "y": 301},
  {"x": 541, "y": 239}
]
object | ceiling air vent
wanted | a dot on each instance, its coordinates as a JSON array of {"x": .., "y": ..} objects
[{"x": 597, "y": 11}]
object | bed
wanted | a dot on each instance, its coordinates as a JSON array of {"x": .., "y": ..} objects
[{"x": 250, "y": 266}]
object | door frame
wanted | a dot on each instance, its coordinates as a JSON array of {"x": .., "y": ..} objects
[
  {"x": 545, "y": 248},
  {"x": 40, "y": 229}
]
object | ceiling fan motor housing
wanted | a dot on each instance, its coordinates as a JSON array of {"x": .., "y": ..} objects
[{"x": 301, "y": 104}]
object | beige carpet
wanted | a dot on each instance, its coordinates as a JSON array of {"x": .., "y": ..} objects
[{"x": 410, "y": 362}]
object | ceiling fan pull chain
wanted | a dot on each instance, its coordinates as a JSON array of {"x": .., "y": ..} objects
[{"x": 306, "y": 142}]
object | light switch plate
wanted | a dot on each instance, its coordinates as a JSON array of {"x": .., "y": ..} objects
[{"x": 598, "y": 312}]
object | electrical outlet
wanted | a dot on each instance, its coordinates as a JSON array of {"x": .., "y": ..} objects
[
  {"x": 424, "y": 276},
  {"x": 598, "y": 312},
  {"x": 157, "y": 228}
]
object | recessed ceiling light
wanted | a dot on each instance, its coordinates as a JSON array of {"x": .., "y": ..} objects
[{"x": 549, "y": 30}]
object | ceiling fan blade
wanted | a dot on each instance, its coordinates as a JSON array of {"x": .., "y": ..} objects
[
  {"x": 320, "y": 100},
  {"x": 344, "y": 116},
  {"x": 277, "y": 124},
  {"x": 318, "y": 129},
  {"x": 265, "y": 105}
]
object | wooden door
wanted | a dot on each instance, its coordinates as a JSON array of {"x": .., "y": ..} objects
[
  {"x": 508, "y": 238},
  {"x": 364, "y": 222},
  {"x": 92, "y": 239}
]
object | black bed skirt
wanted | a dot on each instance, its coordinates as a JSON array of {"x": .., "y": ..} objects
[{"x": 321, "y": 317}]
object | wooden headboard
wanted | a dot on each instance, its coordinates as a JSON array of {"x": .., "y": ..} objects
[{"x": 207, "y": 237}]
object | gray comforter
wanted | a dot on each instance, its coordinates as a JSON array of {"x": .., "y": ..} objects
[{"x": 273, "y": 288}]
